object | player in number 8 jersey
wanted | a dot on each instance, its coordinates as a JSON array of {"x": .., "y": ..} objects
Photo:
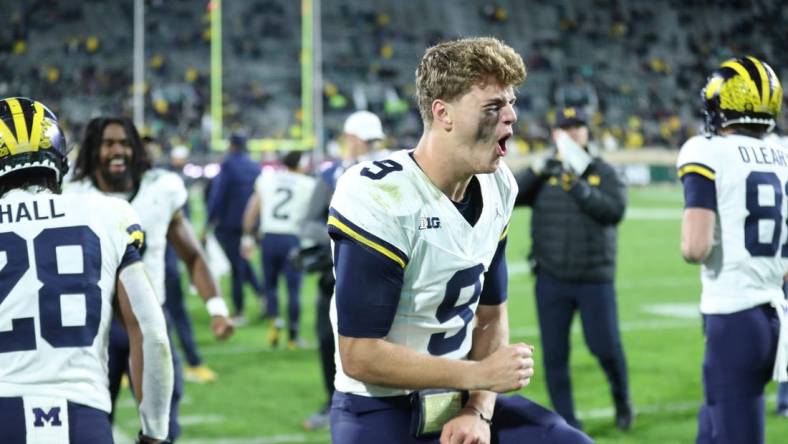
[
  {"x": 734, "y": 225},
  {"x": 63, "y": 260},
  {"x": 419, "y": 255}
]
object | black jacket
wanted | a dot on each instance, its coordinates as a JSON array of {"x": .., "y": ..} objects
[{"x": 573, "y": 224}]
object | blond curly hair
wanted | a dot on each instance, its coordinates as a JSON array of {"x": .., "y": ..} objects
[{"x": 449, "y": 70}]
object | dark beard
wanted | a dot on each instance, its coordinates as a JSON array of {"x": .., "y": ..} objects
[{"x": 118, "y": 182}]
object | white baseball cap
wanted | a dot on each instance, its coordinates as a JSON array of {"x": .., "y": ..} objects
[
  {"x": 364, "y": 125},
  {"x": 179, "y": 152}
]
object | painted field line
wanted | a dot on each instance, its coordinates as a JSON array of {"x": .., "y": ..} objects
[{"x": 667, "y": 213}]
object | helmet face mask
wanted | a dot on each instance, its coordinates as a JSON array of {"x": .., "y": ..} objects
[
  {"x": 30, "y": 139},
  {"x": 742, "y": 91}
]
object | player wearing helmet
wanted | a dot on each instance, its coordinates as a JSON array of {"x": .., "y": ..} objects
[
  {"x": 734, "y": 225},
  {"x": 67, "y": 261}
]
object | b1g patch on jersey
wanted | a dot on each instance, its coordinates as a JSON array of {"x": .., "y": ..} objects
[{"x": 426, "y": 223}]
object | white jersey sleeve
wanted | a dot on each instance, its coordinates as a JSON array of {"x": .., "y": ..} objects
[
  {"x": 696, "y": 156},
  {"x": 371, "y": 211}
]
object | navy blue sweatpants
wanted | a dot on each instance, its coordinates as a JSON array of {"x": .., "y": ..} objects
[
  {"x": 176, "y": 308},
  {"x": 275, "y": 250},
  {"x": 360, "y": 420},
  {"x": 241, "y": 270},
  {"x": 737, "y": 365},
  {"x": 556, "y": 302},
  {"x": 86, "y": 425}
]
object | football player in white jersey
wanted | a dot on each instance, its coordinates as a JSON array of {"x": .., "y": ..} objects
[
  {"x": 419, "y": 257},
  {"x": 279, "y": 202},
  {"x": 112, "y": 160},
  {"x": 67, "y": 261},
  {"x": 734, "y": 225}
]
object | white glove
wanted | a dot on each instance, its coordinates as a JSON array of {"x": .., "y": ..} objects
[{"x": 575, "y": 158}]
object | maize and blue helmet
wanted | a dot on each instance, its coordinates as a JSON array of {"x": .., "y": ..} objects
[
  {"x": 742, "y": 91},
  {"x": 31, "y": 138}
]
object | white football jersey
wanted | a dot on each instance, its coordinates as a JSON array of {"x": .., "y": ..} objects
[
  {"x": 161, "y": 194},
  {"x": 285, "y": 197},
  {"x": 745, "y": 267},
  {"x": 393, "y": 207},
  {"x": 60, "y": 256}
]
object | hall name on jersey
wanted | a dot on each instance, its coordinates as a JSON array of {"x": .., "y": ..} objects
[
  {"x": 28, "y": 211},
  {"x": 762, "y": 155}
]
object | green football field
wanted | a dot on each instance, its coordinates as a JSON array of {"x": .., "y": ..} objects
[{"x": 263, "y": 394}]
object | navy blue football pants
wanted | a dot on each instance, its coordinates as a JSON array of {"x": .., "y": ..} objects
[
  {"x": 86, "y": 424},
  {"x": 361, "y": 420},
  {"x": 275, "y": 250},
  {"x": 737, "y": 365},
  {"x": 556, "y": 303},
  {"x": 119, "y": 365},
  {"x": 176, "y": 309},
  {"x": 241, "y": 270}
]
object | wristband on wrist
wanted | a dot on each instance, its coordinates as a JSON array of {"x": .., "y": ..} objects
[
  {"x": 247, "y": 240},
  {"x": 216, "y": 307},
  {"x": 481, "y": 415}
]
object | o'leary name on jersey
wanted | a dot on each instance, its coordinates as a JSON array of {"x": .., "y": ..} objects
[
  {"x": 29, "y": 211},
  {"x": 762, "y": 155}
]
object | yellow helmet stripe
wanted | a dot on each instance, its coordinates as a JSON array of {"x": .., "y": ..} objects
[
  {"x": 19, "y": 122},
  {"x": 713, "y": 87},
  {"x": 8, "y": 136},
  {"x": 35, "y": 131},
  {"x": 764, "y": 80},
  {"x": 742, "y": 71}
]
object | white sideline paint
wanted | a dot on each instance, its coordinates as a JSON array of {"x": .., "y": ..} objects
[
  {"x": 637, "y": 213},
  {"x": 678, "y": 310}
]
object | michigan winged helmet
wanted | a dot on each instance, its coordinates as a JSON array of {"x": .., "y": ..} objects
[
  {"x": 30, "y": 138},
  {"x": 742, "y": 91}
]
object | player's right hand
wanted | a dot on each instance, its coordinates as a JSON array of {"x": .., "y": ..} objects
[
  {"x": 222, "y": 327},
  {"x": 508, "y": 368}
]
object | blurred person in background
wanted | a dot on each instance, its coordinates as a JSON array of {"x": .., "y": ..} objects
[
  {"x": 53, "y": 381},
  {"x": 734, "y": 226},
  {"x": 362, "y": 135},
  {"x": 175, "y": 304},
  {"x": 578, "y": 201},
  {"x": 279, "y": 204},
  {"x": 113, "y": 161},
  {"x": 230, "y": 190}
]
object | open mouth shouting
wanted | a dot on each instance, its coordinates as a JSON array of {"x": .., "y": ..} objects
[{"x": 501, "y": 149}]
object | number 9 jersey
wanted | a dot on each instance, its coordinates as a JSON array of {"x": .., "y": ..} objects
[
  {"x": 60, "y": 255},
  {"x": 391, "y": 209},
  {"x": 743, "y": 179}
]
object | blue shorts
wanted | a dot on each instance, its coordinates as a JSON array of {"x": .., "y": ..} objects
[
  {"x": 386, "y": 420},
  {"x": 86, "y": 425}
]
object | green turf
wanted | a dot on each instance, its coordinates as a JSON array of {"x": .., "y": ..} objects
[{"x": 263, "y": 395}]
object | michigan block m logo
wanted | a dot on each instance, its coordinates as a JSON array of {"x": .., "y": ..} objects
[{"x": 52, "y": 417}]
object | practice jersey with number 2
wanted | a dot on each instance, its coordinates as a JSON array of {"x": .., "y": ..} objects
[
  {"x": 60, "y": 256},
  {"x": 392, "y": 208},
  {"x": 746, "y": 264},
  {"x": 285, "y": 196}
]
